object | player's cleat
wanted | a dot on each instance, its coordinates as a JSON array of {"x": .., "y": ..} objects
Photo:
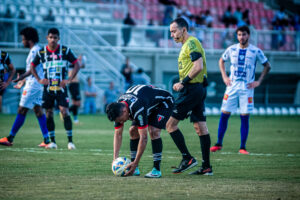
[
  {"x": 51, "y": 145},
  {"x": 215, "y": 148},
  {"x": 4, "y": 141},
  {"x": 76, "y": 121},
  {"x": 243, "y": 151},
  {"x": 185, "y": 165},
  {"x": 136, "y": 172},
  {"x": 203, "y": 171},
  {"x": 42, "y": 144},
  {"x": 71, "y": 146},
  {"x": 153, "y": 174}
]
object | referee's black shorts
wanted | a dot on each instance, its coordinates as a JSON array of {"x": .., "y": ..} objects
[{"x": 190, "y": 102}]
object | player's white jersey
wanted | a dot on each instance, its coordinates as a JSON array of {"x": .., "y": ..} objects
[
  {"x": 31, "y": 81},
  {"x": 243, "y": 64}
]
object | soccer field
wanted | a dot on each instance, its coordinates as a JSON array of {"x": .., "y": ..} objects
[{"x": 271, "y": 171}]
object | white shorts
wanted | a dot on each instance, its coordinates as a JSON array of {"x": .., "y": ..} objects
[
  {"x": 233, "y": 97},
  {"x": 31, "y": 98}
]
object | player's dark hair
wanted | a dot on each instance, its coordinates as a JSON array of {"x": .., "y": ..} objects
[
  {"x": 114, "y": 110},
  {"x": 53, "y": 31},
  {"x": 30, "y": 33},
  {"x": 243, "y": 28},
  {"x": 181, "y": 23}
]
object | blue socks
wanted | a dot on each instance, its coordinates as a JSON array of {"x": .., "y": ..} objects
[
  {"x": 244, "y": 130},
  {"x": 43, "y": 125},
  {"x": 19, "y": 121},
  {"x": 222, "y": 128}
]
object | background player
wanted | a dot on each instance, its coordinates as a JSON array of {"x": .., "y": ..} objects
[
  {"x": 55, "y": 59},
  {"x": 5, "y": 67},
  {"x": 240, "y": 85},
  {"x": 190, "y": 101},
  {"x": 33, "y": 90},
  {"x": 74, "y": 89},
  {"x": 149, "y": 109}
]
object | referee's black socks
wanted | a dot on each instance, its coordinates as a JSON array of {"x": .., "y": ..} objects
[
  {"x": 205, "y": 146},
  {"x": 180, "y": 143}
]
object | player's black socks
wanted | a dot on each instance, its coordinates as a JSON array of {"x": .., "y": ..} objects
[
  {"x": 70, "y": 139},
  {"x": 205, "y": 146},
  {"x": 10, "y": 138},
  {"x": 157, "y": 152},
  {"x": 133, "y": 148},
  {"x": 75, "y": 110},
  {"x": 180, "y": 143},
  {"x": 50, "y": 124},
  {"x": 68, "y": 123}
]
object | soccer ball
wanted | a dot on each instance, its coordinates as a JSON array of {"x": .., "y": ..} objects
[{"x": 119, "y": 166}]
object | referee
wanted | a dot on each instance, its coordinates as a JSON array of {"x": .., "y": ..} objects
[{"x": 190, "y": 102}]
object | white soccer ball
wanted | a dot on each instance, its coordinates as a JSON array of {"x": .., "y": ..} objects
[{"x": 119, "y": 166}]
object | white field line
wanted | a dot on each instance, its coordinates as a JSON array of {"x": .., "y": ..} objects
[{"x": 98, "y": 152}]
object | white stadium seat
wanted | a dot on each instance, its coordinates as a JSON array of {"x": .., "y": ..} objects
[
  {"x": 269, "y": 111},
  {"x": 284, "y": 111},
  {"x": 277, "y": 111},
  {"x": 208, "y": 111},
  {"x": 262, "y": 111},
  {"x": 215, "y": 111},
  {"x": 292, "y": 111},
  {"x": 255, "y": 111}
]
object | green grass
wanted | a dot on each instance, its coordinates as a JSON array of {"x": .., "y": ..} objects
[{"x": 272, "y": 171}]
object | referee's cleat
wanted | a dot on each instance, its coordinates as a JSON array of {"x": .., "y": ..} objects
[
  {"x": 153, "y": 174},
  {"x": 51, "y": 145},
  {"x": 185, "y": 165},
  {"x": 71, "y": 146},
  {"x": 243, "y": 151},
  {"x": 4, "y": 141},
  {"x": 203, "y": 171},
  {"x": 136, "y": 172},
  {"x": 215, "y": 148}
]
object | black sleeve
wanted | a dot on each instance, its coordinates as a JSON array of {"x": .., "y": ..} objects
[
  {"x": 7, "y": 60},
  {"x": 195, "y": 56},
  {"x": 37, "y": 60},
  {"x": 71, "y": 57}
]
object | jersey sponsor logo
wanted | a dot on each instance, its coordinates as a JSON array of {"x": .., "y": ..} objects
[
  {"x": 24, "y": 92},
  {"x": 250, "y": 99},
  {"x": 160, "y": 117},
  {"x": 225, "y": 97}
]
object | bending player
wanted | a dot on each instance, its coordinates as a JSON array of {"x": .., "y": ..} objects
[{"x": 149, "y": 109}]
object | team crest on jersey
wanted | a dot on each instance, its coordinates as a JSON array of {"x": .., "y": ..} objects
[
  {"x": 24, "y": 93},
  {"x": 225, "y": 97},
  {"x": 160, "y": 117},
  {"x": 250, "y": 99}
]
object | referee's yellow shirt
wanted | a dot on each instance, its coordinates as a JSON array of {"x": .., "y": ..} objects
[{"x": 185, "y": 63}]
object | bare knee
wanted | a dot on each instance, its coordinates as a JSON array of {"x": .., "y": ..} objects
[
  {"x": 22, "y": 110},
  {"x": 38, "y": 111},
  {"x": 201, "y": 128},
  {"x": 64, "y": 111},
  {"x": 171, "y": 125},
  {"x": 154, "y": 132},
  {"x": 133, "y": 133}
]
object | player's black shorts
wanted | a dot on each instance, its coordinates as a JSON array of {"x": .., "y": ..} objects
[
  {"x": 74, "y": 89},
  {"x": 49, "y": 98},
  {"x": 159, "y": 117},
  {"x": 190, "y": 102}
]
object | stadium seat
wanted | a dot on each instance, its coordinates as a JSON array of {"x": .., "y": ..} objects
[
  {"x": 255, "y": 111},
  {"x": 292, "y": 111},
  {"x": 277, "y": 111},
  {"x": 269, "y": 111},
  {"x": 284, "y": 111},
  {"x": 261, "y": 111}
]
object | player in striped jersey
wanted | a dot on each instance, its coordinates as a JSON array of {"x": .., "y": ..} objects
[
  {"x": 149, "y": 109},
  {"x": 55, "y": 59}
]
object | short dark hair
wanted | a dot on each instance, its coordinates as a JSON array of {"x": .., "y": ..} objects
[
  {"x": 243, "y": 28},
  {"x": 181, "y": 23},
  {"x": 30, "y": 33},
  {"x": 53, "y": 31},
  {"x": 114, "y": 110}
]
